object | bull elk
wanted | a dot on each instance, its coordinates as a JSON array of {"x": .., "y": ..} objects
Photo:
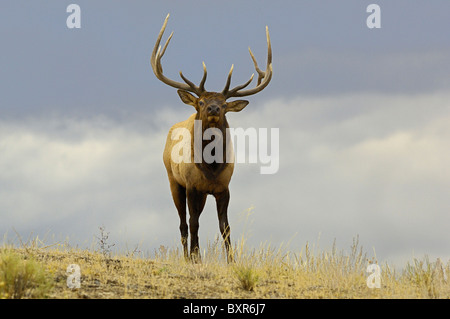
[{"x": 194, "y": 179}]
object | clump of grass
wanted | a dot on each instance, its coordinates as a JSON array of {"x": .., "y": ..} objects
[
  {"x": 428, "y": 276},
  {"x": 247, "y": 276},
  {"x": 22, "y": 277}
]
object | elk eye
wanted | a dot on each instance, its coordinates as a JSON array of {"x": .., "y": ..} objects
[
  {"x": 224, "y": 106},
  {"x": 201, "y": 103}
]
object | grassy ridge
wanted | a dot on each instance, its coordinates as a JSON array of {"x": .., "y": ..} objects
[{"x": 264, "y": 272}]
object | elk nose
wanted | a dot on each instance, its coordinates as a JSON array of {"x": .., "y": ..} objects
[{"x": 213, "y": 110}]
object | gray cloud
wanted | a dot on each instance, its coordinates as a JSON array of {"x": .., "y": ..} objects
[{"x": 343, "y": 71}]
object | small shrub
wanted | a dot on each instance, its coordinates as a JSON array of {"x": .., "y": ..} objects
[
  {"x": 103, "y": 243},
  {"x": 22, "y": 277}
]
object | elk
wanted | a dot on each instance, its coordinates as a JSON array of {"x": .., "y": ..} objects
[{"x": 194, "y": 180}]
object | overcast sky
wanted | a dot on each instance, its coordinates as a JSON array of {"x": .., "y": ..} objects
[{"x": 363, "y": 116}]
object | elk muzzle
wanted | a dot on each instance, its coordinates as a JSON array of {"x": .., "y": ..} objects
[{"x": 213, "y": 113}]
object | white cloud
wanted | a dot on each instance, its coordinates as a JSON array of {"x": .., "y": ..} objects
[
  {"x": 367, "y": 164},
  {"x": 91, "y": 171}
]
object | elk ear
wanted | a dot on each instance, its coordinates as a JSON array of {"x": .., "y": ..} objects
[
  {"x": 236, "y": 106},
  {"x": 187, "y": 98}
]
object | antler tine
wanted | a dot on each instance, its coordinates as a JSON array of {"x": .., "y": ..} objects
[
  {"x": 264, "y": 77},
  {"x": 227, "y": 85},
  {"x": 157, "y": 54},
  {"x": 261, "y": 73},
  {"x": 229, "y": 93},
  {"x": 202, "y": 82},
  {"x": 160, "y": 53},
  {"x": 191, "y": 84},
  {"x": 195, "y": 88}
]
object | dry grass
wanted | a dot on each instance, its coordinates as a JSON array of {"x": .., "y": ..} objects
[{"x": 264, "y": 272}]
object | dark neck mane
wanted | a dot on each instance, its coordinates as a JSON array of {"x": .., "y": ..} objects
[{"x": 212, "y": 170}]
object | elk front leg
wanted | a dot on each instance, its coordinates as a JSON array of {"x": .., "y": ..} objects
[
  {"x": 196, "y": 203},
  {"x": 222, "y": 200},
  {"x": 179, "y": 198}
]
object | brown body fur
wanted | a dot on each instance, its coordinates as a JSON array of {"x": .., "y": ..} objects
[
  {"x": 194, "y": 181},
  {"x": 189, "y": 174}
]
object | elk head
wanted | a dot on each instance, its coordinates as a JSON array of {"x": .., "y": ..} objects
[{"x": 211, "y": 106}]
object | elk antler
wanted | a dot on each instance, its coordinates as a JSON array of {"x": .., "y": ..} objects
[
  {"x": 264, "y": 77},
  {"x": 157, "y": 54}
]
